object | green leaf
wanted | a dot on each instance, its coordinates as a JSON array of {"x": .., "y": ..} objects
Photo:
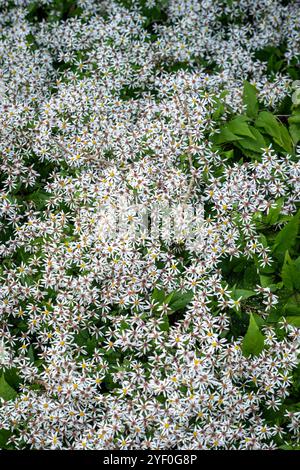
[
  {"x": 295, "y": 321},
  {"x": 289, "y": 447},
  {"x": 259, "y": 321},
  {"x": 91, "y": 345},
  {"x": 242, "y": 293},
  {"x": 12, "y": 377},
  {"x": 225, "y": 136},
  {"x": 158, "y": 295},
  {"x": 286, "y": 238},
  {"x": 180, "y": 301},
  {"x": 250, "y": 277},
  {"x": 253, "y": 342},
  {"x": 219, "y": 111},
  {"x": 40, "y": 198},
  {"x": 291, "y": 309},
  {"x": 164, "y": 325},
  {"x": 229, "y": 154},
  {"x": 255, "y": 144},
  {"x": 266, "y": 281},
  {"x": 268, "y": 122},
  {"x": 290, "y": 272},
  {"x": 238, "y": 126},
  {"x": 6, "y": 391},
  {"x": 263, "y": 240},
  {"x": 295, "y": 117},
  {"x": 4, "y": 436},
  {"x": 31, "y": 353},
  {"x": 250, "y": 99},
  {"x": 286, "y": 272},
  {"x": 168, "y": 299},
  {"x": 274, "y": 212},
  {"x": 295, "y": 132}
]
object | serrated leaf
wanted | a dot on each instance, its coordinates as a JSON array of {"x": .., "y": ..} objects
[
  {"x": 265, "y": 281},
  {"x": 295, "y": 321},
  {"x": 286, "y": 238},
  {"x": 289, "y": 273},
  {"x": 225, "y": 136},
  {"x": 229, "y": 154},
  {"x": 239, "y": 127},
  {"x": 289, "y": 447},
  {"x": 253, "y": 342},
  {"x": 6, "y": 391},
  {"x": 12, "y": 377},
  {"x": 295, "y": 117},
  {"x": 164, "y": 325},
  {"x": 250, "y": 99},
  {"x": 250, "y": 277},
  {"x": 158, "y": 295},
  {"x": 259, "y": 321},
  {"x": 295, "y": 132},
  {"x": 31, "y": 353},
  {"x": 180, "y": 300},
  {"x": 268, "y": 122},
  {"x": 242, "y": 293},
  {"x": 274, "y": 212},
  {"x": 255, "y": 144},
  {"x": 169, "y": 298},
  {"x": 291, "y": 309},
  {"x": 4, "y": 436}
]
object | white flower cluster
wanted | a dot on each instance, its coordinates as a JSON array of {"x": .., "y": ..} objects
[{"x": 93, "y": 112}]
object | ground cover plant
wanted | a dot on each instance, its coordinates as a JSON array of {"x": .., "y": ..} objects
[{"x": 150, "y": 254}]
